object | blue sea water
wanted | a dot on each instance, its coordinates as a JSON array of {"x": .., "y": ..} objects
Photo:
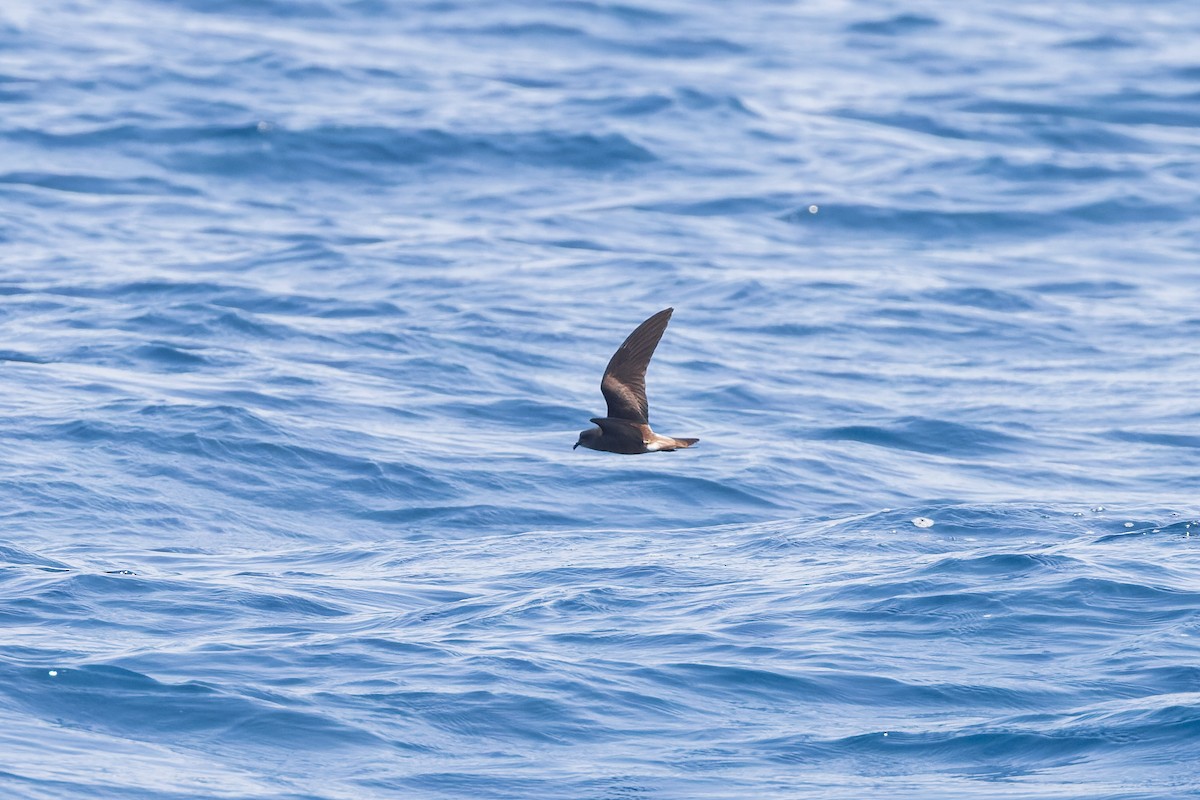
[{"x": 303, "y": 303}]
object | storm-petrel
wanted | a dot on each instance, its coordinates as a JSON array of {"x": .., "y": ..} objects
[{"x": 626, "y": 429}]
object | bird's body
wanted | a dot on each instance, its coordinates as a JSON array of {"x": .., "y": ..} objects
[{"x": 626, "y": 429}]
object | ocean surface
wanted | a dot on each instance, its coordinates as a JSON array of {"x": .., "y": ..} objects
[{"x": 303, "y": 304}]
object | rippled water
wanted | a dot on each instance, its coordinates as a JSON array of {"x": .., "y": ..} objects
[{"x": 303, "y": 303}]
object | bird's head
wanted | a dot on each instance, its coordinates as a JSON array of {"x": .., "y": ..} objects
[{"x": 586, "y": 438}]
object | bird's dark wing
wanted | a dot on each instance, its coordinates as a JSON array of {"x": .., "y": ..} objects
[{"x": 624, "y": 382}]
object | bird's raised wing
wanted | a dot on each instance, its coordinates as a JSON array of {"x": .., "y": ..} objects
[{"x": 624, "y": 382}]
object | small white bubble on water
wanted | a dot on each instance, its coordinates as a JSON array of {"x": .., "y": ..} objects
[
  {"x": 1097, "y": 509},
  {"x": 53, "y": 673},
  {"x": 1128, "y": 524},
  {"x": 922, "y": 522},
  {"x": 813, "y": 210}
]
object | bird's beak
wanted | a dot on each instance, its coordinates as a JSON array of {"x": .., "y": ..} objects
[{"x": 576, "y": 445}]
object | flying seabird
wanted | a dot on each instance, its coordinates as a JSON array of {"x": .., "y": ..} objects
[{"x": 626, "y": 429}]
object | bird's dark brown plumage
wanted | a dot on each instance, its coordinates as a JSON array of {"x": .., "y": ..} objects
[
  {"x": 626, "y": 429},
  {"x": 624, "y": 382}
]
